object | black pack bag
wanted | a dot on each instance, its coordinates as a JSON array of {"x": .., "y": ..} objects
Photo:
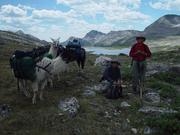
[
  {"x": 114, "y": 92},
  {"x": 20, "y": 54}
]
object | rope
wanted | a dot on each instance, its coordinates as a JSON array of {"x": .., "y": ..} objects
[{"x": 45, "y": 68}]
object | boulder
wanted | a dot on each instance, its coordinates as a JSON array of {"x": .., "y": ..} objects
[
  {"x": 156, "y": 110},
  {"x": 70, "y": 106},
  {"x": 134, "y": 130},
  {"x": 4, "y": 111},
  {"x": 101, "y": 87},
  {"x": 175, "y": 69},
  {"x": 154, "y": 68},
  {"x": 89, "y": 93},
  {"x": 152, "y": 98},
  {"x": 125, "y": 104}
]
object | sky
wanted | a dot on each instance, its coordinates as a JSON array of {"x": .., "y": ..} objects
[{"x": 47, "y": 19}]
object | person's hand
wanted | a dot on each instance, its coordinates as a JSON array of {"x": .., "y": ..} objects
[
  {"x": 143, "y": 53},
  {"x": 138, "y": 51}
]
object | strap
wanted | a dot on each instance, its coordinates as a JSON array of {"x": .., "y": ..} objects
[{"x": 45, "y": 68}]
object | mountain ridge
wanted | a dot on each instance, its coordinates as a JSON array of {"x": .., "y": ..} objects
[{"x": 167, "y": 25}]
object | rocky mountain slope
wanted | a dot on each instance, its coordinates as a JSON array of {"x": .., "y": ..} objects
[
  {"x": 168, "y": 25},
  {"x": 20, "y": 37}
]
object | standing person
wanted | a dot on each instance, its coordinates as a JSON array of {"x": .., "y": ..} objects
[{"x": 139, "y": 53}]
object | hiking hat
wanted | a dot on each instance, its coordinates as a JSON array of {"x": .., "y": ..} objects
[
  {"x": 117, "y": 61},
  {"x": 141, "y": 37}
]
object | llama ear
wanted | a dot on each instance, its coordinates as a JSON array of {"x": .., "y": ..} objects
[
  {"x": 58, "y": 39},
  {"x": 52, "y": 39}
]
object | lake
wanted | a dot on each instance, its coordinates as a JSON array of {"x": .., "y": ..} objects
[{"x": 107, "y": 51}]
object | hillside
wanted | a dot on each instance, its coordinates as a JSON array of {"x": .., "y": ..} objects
[
  {"x": 96, "y": 115},
  {"x": 20, "y": 37}
]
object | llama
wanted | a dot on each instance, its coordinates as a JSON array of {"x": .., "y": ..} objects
[{"x": 42, "y": 75}]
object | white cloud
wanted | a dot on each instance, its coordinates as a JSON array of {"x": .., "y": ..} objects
[
  {"x": 112, "y": 10},
  {"x": 166, "y": 4},
  {"x": 10, "y": 10},
  {"x": 52, "y": 14},
  {"x": 46, "y": 23}
]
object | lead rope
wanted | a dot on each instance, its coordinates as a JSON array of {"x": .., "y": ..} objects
[{"x": 45, "y": 68}]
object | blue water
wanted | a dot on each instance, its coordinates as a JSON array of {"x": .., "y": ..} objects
[{"x": 106, "y": 51}]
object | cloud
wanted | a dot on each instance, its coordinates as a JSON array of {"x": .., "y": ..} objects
[
  {"x": 45, "y": 23},
  {"x": 10, "y": 10},
  {"x": 54, "y": 14},
  {"x": 112, "y": 10},
  {"x": 166, "y": 4}
]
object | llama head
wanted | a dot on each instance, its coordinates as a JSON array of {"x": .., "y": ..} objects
[
  {"x": 54, "y": 47},
  {"x": 55, "y": 42}
]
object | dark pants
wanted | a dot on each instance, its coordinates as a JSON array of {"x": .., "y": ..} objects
[
  {"x": 113, "y": 91},
  {"x": 138, "y": 73}
]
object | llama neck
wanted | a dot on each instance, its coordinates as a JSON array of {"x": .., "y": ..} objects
[
  {"x": 52, "y": 51},
  {"x": 59, "y": 64}
]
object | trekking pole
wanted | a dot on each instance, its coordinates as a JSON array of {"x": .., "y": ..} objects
[{"x": 141, "y": 89}]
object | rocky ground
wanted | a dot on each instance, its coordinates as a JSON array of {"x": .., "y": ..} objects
[{"x": 76, "y": 106}]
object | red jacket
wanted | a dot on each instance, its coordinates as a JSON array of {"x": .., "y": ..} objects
[{"x": 140, "y": 52}]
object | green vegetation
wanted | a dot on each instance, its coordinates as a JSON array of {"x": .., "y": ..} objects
[
  {"x": 166, "y": 124},
  {"x": 169, "y": 77},
  {"x": 167, "y": 56}
]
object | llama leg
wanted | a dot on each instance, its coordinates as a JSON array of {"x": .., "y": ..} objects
[
  {"x": 18, "y": 87},
  {"x": 35, "y": 91},
  {"x": 22, "y": 86},
  {"x": 59, "y": 78},
  {"x": 42, "y": 90},
  {"x": 50, "y": 81},
  {"x": 79, "y": 68},
  {"x": 20, "y": 83},
  {"x": 25, "y": 89}
]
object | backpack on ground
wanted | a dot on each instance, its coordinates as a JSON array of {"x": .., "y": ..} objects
[{"x": 114, "y": 92}]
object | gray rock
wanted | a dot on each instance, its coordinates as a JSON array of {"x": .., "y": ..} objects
[
  {"x": 147, "y": 130},
  {"x": 107, "y": 115},
  {"x": 152, "y": 97},
  {"x": 175, "y": 69},
  {"x": 4, "y": 111},
  {"x": 125, "y": 126},
  {"x": 134, "y": 130},
  {"x": 125, "y": 104},
  {"x": 156, "y": 110},
  {"x": 89, "y": 93},
  {"x": 101, "y": 87},
  {"x": 69, "y": 105},
  {"x": 155, "y": 68}
]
